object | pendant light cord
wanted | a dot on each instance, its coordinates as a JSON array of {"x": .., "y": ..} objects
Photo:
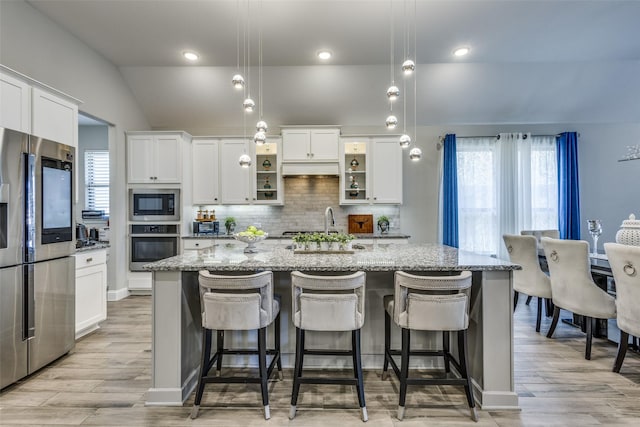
[
  {"x": 391, "y": 43},
  {"x": 415, "y": 76}
]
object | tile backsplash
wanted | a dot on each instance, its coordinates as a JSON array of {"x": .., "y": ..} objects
[{"x": 305, "y": 202}]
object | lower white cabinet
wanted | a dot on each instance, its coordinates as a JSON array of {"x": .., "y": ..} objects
[{"x": 91, "y": 290}]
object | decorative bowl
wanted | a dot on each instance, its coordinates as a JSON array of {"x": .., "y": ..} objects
[{"x": 251, "y": 242}]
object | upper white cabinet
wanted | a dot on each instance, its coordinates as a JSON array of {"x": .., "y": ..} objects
[
  {"x": 53, "y": 117},
  {"x": 235, "y": 181},
  {"x": 29, "y": 106},
  {"x": 205, "y": 171},
  {"x": 155, "y": 157},
  {"x": 269, "y": 187},
  {"x": 315, "y": 144},
  {"x": 371, "y": 171},
  {"x": 15, "y": 104}
]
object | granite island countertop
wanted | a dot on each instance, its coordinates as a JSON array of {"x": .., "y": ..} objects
[
  {"x": 281, "y": 236},
  {"x": 379, "y": 257}
]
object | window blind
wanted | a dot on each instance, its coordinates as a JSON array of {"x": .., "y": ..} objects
[{"x": 97, "y": 180}]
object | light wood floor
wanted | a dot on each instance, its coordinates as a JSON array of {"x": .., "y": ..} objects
[{"x": 103, "y": 381}]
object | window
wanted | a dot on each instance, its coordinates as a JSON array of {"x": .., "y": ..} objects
[
  {"x": 96, "y": 166},
  {"x": 505, "y": 185}
]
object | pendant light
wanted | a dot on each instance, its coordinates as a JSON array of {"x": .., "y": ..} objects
[
  {"x": 260, "y": 137},
  {"x": 416, "y": 153},
  {"x": 237, "y": 80},
  {"x": 393, "y": 92},
  {"x": 405, "y": 139}
]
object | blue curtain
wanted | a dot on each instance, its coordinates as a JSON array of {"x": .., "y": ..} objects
[
  {"x": 450, "y": 193},
  {"x": 568, "y": 186}
]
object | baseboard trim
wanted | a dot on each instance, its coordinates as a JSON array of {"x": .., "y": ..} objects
[{"x": 118, "y": 294}]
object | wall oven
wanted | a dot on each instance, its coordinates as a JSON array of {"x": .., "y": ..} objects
[
  {"x": 150, "y": 204},
  {"x": 151, "y": 243}
]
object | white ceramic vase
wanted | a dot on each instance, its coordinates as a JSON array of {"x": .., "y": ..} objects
[{"x": 629, "y": 233}]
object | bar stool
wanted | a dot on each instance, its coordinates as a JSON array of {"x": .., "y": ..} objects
[
  {"x": 328, "y": 303},
  {"x": 429, "y": 303},
  {"x": 238, "y": 303}
]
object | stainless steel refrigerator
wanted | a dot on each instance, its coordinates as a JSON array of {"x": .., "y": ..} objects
[{"x": 37, "y": 273}]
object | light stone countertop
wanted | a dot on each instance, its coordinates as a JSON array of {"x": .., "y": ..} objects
[
  {"x": 98, "y": 245},
  {"x": 280, "y": 236},
  {"x": 380, "y": 257}
]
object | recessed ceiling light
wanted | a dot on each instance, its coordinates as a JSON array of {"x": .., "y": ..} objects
[
  {"x": 324, "y": 54},
  {"x": 191, "y": 56},
  {"x": 462, "y": 51}
]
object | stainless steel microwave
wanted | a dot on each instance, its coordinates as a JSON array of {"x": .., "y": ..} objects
[{"x": 150, "y": 204}]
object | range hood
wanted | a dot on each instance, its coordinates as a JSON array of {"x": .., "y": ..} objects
[{"x": 310, "y": 168}]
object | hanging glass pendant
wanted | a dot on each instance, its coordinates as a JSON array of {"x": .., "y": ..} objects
[
  {"x": 248, "y": 105},
  {"x": 415, "y": 154},
  {"x": 391, "y": 122},
  {"x": 260, "y": 138},
  {"x": 405, "y": 140},
  {"x": 408, "y": 67},
  {"x": 393, "y": 93},
  {"x": 237, "y": 81},
  {"x": 245, "y": 161},
  {"x": 261, "y": 126}
]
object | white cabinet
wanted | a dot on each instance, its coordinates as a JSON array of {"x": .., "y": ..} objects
[
  {"x": 15, "y": 104},
  {"x": 29, "y": 106},
  {"x": 235, "y": 181},
  {"x": 205, "y": 172},
  {"x": 371, "y": 171},
  {"x": 268, "y": 185},
  {"x": 155, "y": 157},
  {"x": 302, "y": 145},
  {"x": 53, "y": 117},
  {"x": 91, "y": 290}
]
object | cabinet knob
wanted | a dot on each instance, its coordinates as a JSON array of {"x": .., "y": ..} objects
[
  {"x": 215, "y": 198},
  {"x": 246, "y": 198},
  {"x": 375, "y": 198},
  {"x": 89, "y": 259},
  {"x": 197, "y": 244}
]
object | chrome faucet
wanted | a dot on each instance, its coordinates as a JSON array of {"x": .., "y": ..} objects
[{"x": 328, "y": 211}]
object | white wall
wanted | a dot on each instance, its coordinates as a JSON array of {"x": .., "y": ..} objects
[{"x": 35, "y": 46}]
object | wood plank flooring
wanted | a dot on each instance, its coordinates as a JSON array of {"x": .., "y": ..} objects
[{"x": 103, "y": 382}]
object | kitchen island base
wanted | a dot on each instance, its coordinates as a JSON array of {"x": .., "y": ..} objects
[{"x": 177, "y": 335}]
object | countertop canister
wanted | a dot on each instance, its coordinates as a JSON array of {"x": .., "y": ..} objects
[{"x": 629, "y": 233}]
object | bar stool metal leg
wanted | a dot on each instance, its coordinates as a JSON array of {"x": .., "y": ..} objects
[
  {"x": 297, "y": 372},
  {"x": 357, "y": 368},
  {"x": 445, "y": 351},
  {"x": 387, "y": 343},
  {"x": 262, "y": 365},
  {"x": 205, "y": 365},
  {"x": 220, "y": 347},
  {"x": 462, "y": 356},
  {"x": 276, "y": 344},
  {"x": 404, "y": 371}
]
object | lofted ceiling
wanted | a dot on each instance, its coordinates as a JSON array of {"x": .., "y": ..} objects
[{"x": 531, "y": 61}]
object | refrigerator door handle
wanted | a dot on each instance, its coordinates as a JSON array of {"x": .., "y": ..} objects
[
  {"x": 30, "y": 207},
  {"x": 29, "y": 303}
]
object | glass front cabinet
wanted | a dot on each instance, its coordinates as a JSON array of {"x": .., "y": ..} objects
[
  {"x": 268, "y": 184},
  {"x": 370, "y": 170}
]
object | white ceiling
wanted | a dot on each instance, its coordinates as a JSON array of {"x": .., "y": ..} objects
[{"x": 531, "y": 61}]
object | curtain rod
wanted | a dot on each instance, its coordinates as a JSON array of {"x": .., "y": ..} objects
[{"x": 440, "y": 142}]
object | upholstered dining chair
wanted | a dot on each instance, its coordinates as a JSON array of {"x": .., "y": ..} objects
[
  {"x": 531, "y": 280},
  {"x": 625, "y": 265},
  {"x": 572, "y": 286},
  {"x": 538, "y": 234},
  {"x": 328, "y": 303},
  {"x": 429, "y": 303},
  {"x": 244, "y": 302}
]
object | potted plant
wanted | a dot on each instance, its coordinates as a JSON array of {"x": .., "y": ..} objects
[
  {"x": 383, "y": 223},
  {"x": 316, "y": 240},
  {"x": 301, "y": 241},
  {"x": 344, "y": 241},
  {"x": 230, "y": 224}
]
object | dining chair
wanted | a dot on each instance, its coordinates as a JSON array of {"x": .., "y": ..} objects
[
  {"x": 538, "y": 234},
  {"x": 625, "y": 265},
  {"x": 242, "y": 303},
  {"x": 572, "y": 286},
  {"x": 531, "y": 280}
]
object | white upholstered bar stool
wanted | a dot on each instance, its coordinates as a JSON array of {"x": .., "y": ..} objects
[
  {"x": 531, "y": 280},
  {"x": 429, "y": 303},
  {"x": 572, "y": 286},
  {"x": 328, "y": 303},
  {"x": 625, "y": 265},
  {"x": 244, "y": 302}
]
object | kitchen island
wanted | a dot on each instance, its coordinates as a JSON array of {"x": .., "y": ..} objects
[{"x": 177, "y": 318}]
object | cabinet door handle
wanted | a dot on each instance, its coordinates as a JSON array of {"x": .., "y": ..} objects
[
  {"x": 375, "y": 198},
  {"x": 197, "y": 244},
  {"x": 89, "y": 259},
  {"x": 215, "y": 198},
  {"x": 246, "y": 198}
]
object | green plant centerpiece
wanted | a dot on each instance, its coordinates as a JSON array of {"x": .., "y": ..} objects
[
  {"x": 322, "y": 241},
  {"x": 230, "y": 224},
  {"x": 383, "y": 223}
]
